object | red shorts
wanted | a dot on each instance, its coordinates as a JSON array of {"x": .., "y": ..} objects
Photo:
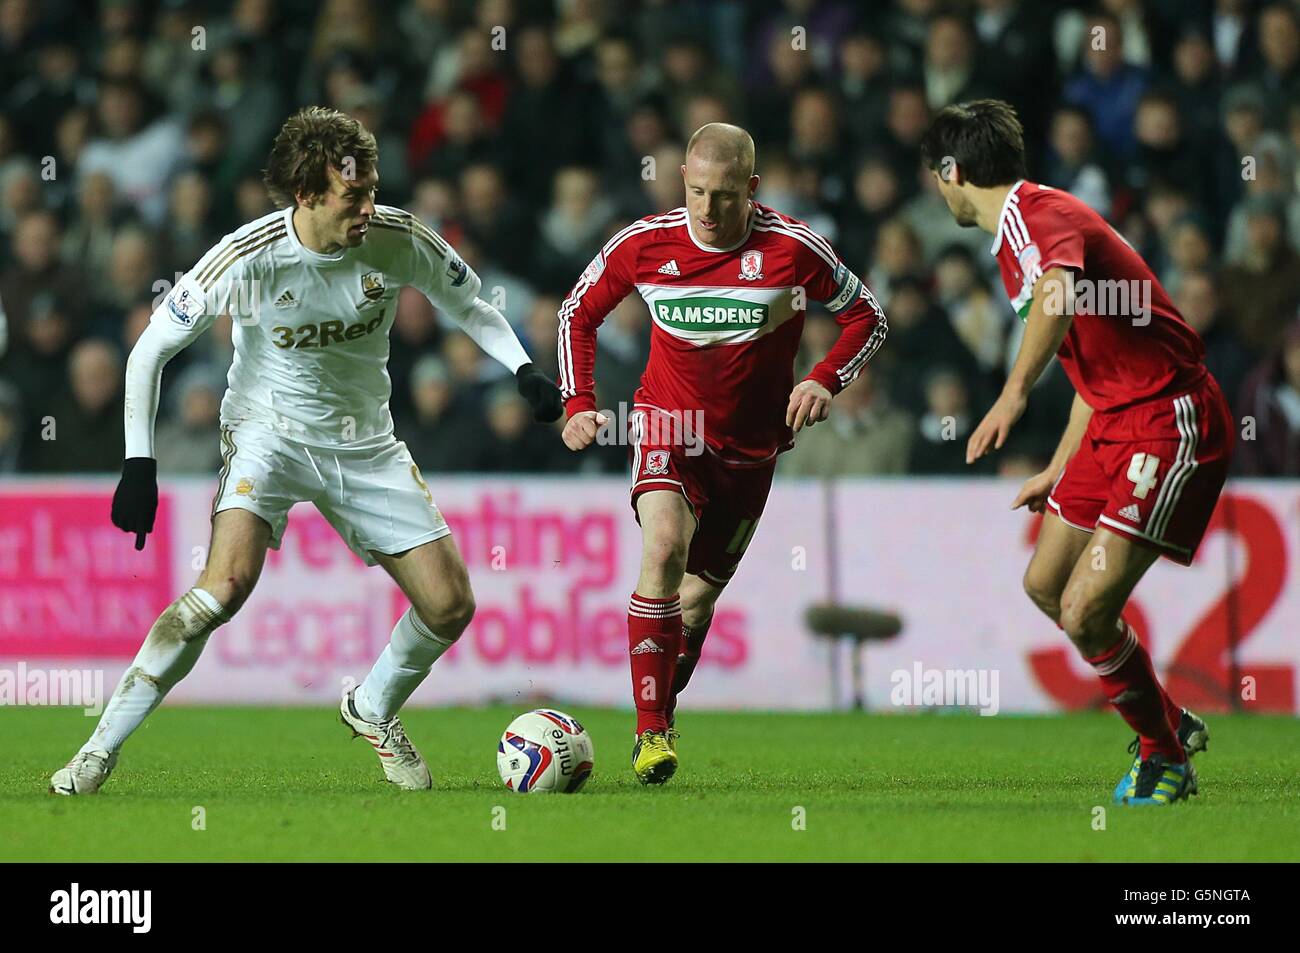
[
  {"x": 1151, "y": 472},
  {"x": 727, "y": 501}
]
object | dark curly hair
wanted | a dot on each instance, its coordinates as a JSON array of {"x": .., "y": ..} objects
[
  {"x": 310, "y": 142},
  {"x": 983, "y": 137}
]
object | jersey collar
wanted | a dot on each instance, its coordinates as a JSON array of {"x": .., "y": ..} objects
[
  {"x": 749, "y": 230},
  {"x": 311, "y": 256},
  {"x": 997, "y": 237}
]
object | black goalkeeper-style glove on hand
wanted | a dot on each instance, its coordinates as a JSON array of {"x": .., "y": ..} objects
[
  {"x": 541, "y": 393},
  {"x": 135, "y": 503}
]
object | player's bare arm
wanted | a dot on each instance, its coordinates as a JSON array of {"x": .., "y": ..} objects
[
  {"x": 1036, "y": 489},
  {"x": 1045, "y": 329}
]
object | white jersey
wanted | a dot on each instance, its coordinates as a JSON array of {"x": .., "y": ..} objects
[{"x": 310, "y": 330}]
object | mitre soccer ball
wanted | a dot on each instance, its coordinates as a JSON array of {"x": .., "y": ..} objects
[{"x": 544, "y": 750}]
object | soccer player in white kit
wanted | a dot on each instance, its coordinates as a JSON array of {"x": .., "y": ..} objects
[{"x": 311, "y": 291}]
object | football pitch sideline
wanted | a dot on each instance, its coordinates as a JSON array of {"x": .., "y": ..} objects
[{"x": 280, "y": 784}]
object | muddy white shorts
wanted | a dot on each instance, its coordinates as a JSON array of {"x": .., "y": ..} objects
[{"x": 375, "y": 498}]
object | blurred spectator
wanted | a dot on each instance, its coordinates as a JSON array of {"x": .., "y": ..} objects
[
  {"x": 1187, "y": 249},
  {"x": 446, "y": 431},
  {"x": 1018, "y": 59},
  {"x": 951, "y": 69},
  {"x": 85, "y": 423},
  {"x": 11, "y": 427},
  {"x": 136, "y": 151},
  {"x": 1278, "y": 75},
  {"x": 864, "y": 436},
  {"x": 1270, "y": 401},
  {"x": 191, "y": 229},
  {"x": 34, "y": 270},
  {"x": 863, "y": 87},
  {"x": 939, "y": 447},
  {"x": 979, "y": 320},
  {"x": 572, "y": 229},
  {"x": 89, "y": 239},
  {"x": 921, "y": 338},
  {"x": 187, "y": 441},
  {"x": 38, "y": 363},
  {"x": 1162, "y": 152},
  {"x": 515, "y": 444},
  {"x": 250, "y": 105},
  {"x": 1263, "y": 285},
  {"x": 546, "y": 114},
  {"x": 1108, "y": 86},
  {"x": 1197, "y": 86},
  {"x": 493, "y": 219},
  {"x": 1071, "y": 160},
  {"x": 541, "y": 331},
  {"x": 1197, "y": 299},
  {"x": 415, "y": 332},
  {"x": 57, "y": 85},
  {"x": 622, "y": 351}
]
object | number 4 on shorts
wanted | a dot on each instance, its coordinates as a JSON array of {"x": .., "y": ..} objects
[{"x": 1142, "y": 471}]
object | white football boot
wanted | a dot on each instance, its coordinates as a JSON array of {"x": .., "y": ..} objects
[
  {"x": 84, "y": 774},
  {"x": 402, "y": 764}
]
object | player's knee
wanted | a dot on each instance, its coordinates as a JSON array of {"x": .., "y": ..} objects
[
  {"x": 1086, "y": 618},
  {"x": 697, "y": 603},
  {"x": 1043, "y": 593},
  {"x": 231, "y": 589},
  {"x": 664, "y": 553},
  {"x": 450, "y": 616}
]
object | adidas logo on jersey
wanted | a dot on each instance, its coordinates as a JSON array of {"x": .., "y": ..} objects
[
  {"x": 647, "y": 645},
  {"x": 286, "y": 300},
  {"x": 670, "y": 268},
  {"x": 1131, "y": 513}
]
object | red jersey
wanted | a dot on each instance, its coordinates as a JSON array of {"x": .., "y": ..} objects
[
  {"x": 1127, "y": 342},
  {"x": 725, "y": 325}
]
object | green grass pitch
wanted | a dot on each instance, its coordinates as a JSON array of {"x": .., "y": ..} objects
[{"x": 288, "y": 784}]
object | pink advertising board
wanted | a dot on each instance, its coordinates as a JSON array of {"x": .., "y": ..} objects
[{"x": 553, "y": 562}]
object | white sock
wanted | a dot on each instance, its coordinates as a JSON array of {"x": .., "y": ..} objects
[
  {"x": 400, "y": 668},
  {"x": 173, "y": 645}
]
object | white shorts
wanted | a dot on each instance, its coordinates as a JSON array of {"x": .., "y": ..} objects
[{"x": 375, "y": 499}]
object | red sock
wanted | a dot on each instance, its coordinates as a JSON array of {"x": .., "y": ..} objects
[
  {"x": 1131, "y": 686},
  {"x": 654, "y": 637},
  {"x": 692, "y": 644},
  {"x": 1172, "y": 712}
]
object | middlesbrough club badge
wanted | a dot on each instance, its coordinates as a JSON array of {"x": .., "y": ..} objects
[
  {"x": 751, "y": 265},
  {"x": 656, "y": 461}
]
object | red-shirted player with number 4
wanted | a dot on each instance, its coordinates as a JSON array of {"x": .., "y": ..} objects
[
  {"x": 1145, "y": 454},
  {"x": 727, "y": 282}
]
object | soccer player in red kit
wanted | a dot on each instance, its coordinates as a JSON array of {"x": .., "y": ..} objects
[
  {"x": 727, "y": 281},
  {"x": 1146, "y": 450}
]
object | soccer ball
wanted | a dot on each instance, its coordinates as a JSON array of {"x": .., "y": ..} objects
[{"x": 544, "y": 750}]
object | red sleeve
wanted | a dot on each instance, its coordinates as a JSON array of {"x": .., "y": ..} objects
[
  {"x": 860, "y": 317},
  {"x": 605, "y": 282},
  {"x": 1059, "y": 242}
]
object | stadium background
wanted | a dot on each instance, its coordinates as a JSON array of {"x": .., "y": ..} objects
[{"x": 125, "y": 152}]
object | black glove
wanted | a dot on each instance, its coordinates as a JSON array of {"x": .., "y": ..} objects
[
  {"x": 135, "y": 503},
  {"x": 541, "y": 393}
]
